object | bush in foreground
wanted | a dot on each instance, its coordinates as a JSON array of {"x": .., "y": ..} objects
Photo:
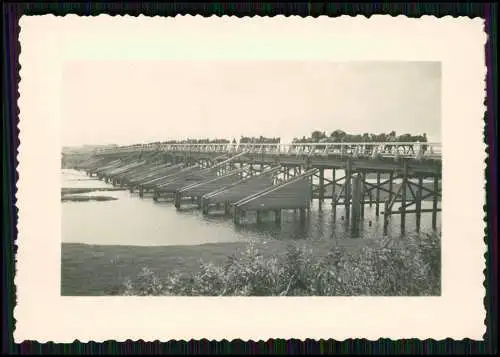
[{"x": 404, "y": 267}]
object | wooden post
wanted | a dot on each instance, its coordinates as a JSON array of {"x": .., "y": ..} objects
[
  {"x": 347, "y": 191},
  {"x": 177, "y": 197},
  {"x": 377, "y": 197},
  {"x": 204, "y": 207},
  {"x": 302, "y": 214},
  {"x": 386, "y": 216},
  {"x": 418, "y": 202},
  {"x": 311, "y": 196},
  {"x": 277, "y": 215},
  {"x": 362, "y": 178},
  {"x": 434, "y": 203},
  {"x": 391, "y": 178},
  {"x": 356, "y": 202},
  {"x": 334, "y": 202},
  {"x": 321, "y": 186},
  {"x": 236, "y": 216},
  {"x": 403, "y": 196}
]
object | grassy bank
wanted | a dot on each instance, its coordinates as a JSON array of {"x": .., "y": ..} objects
[{"x": 410, "y": 266}]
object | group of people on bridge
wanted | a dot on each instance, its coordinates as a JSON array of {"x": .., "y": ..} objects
[{"x": 362, "y": 145}]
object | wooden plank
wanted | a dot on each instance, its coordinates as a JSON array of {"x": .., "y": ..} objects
[
  {"x": 160, "y": 176},
  {"x": 156, "y": 174},
  {"x": 295, "y": 195},
  {"x": 210, "y": 185},
  {"x": 242, "y": 190}
]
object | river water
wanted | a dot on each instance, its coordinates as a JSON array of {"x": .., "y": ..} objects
[{"x": 130, "y": 220}]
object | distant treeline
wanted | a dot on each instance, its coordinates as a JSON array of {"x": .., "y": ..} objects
[{"x": 339, "y": 136}]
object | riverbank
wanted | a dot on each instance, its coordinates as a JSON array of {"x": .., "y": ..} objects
[
  {"x": 102, "y": 269},
  {"x": 260, "y": 268}
]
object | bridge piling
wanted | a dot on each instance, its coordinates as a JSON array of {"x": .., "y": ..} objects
[
  {"x": 386, "y": 216},
  {"x": 357, "y": 203},
  {"x": 403, "y": 196},
  {"x": 277, "y": 216},
  {"x": 391, "y": 178},
  {"x": 362, "y": 193},
  {"x": 377, "y": 196},
  {"x": 321, "y": 186},
  {"x": 434, "y": 203},
  {"x": 347, "y": 191},
  {"x": 418, "y": 202},
  {"x": 136, "y": 167},
  {"x": 302, "y": 214}
]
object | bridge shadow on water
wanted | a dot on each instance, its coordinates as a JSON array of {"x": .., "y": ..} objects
[
  {"x": 317, "y": 225},
  {"x": 131, "y": 220}
]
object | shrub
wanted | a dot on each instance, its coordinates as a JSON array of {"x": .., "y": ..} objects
[{"x": 410, "y": 266}]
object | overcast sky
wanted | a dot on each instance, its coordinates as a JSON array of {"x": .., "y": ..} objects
[{"x": 126, "y": 102}]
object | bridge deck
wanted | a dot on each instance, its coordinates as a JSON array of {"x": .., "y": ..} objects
[
  {"x": 421, "y": 158},
  {"x": 208, "y": 171}
]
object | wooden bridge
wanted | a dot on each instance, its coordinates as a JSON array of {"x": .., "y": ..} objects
[{"x": 238, "y": 178}]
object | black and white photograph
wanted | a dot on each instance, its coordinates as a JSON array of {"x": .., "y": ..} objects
[{"x": 252, "y": 178}]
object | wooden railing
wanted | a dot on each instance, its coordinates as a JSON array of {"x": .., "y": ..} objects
[{"x": 371, "y": 149}]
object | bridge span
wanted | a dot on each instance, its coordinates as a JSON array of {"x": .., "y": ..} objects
[{"x": 238, "y": 178}]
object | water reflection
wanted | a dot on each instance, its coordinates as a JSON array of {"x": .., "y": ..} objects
[{"x": 134, "y": 221}]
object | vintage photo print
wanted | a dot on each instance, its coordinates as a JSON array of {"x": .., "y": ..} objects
[{"x": 251, "y": 178}]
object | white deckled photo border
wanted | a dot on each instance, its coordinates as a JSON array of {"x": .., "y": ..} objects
[{"x": 47, "y": 42}]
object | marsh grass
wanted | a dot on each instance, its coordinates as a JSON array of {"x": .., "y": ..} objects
[{"x": 409, "y": 266}]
